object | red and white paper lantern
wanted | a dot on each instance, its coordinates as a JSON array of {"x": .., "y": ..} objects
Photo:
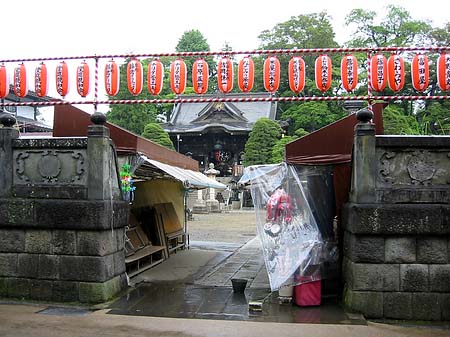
[
  {"x": 200, "y": 76},
  {"x": 4, "y": 82},
  {"x": 323, "y": 72},
  {"x": 178, "y": 76},
  {"x": 225, "y": 75},
  {"x": 41, "y": 80},
  {"x": 443, "y": 70},
  {"x": 155, "y": 77},
  {"x": 112, "y": 78},
  {"x": 271, "y": 74},
  {"x": 20, "y": 81},
  {"x": 83, "y": 79},
  {"x": 62, "y": 78},
  {"x": 396, "y": 72},
  {"x": 135, "y": 78},
  {"x": 349, "y": 72},
  {"x": 296, "y": 72},
  {"x": 420, "y": 72},
  {"x": 378, "y": 72},
  {"x": 246, "y": 74}
]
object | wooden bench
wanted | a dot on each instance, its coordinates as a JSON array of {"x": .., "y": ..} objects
[
  {"x": 140, "y": 254},
  {"x": 176, "y": 240}
]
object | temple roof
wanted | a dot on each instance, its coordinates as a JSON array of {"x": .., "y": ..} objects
[{"x": 230, "y": 117}]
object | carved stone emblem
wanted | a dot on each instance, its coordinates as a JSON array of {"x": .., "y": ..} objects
[
  {"x": 49, "y": 166},
  {"x": 420, "y": 169}
]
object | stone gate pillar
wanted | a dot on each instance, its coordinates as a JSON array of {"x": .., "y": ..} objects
[
  {"x": 62, "y": 218},
  {"x": 396, "y": 262}
]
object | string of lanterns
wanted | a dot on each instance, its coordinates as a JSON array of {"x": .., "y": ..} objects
[{"x": 383, "y": 72}]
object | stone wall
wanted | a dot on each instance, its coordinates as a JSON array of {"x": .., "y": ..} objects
[
  {"x": 397, "y": 227},
  {"x": 62, "y": 218}
]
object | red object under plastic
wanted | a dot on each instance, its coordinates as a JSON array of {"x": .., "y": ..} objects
[{"x": 308, "y": 294}]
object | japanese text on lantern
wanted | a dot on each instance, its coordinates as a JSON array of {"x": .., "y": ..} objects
[{"x": 324, "y": 72}]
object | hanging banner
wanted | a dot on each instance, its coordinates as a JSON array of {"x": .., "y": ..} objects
[
  {"x": 4, "y": 82},
  {"x": 178, "y": 76},
  {"x": 135, "y": 78},
  {"x": 296, "y": 72},
  {"x": 420, "y": 72},
  {"x": 41, "y": 80},
  {"x": 349, "y": 72},
  {"x": 112, "y": 78},
  {"x": 155, "y": 77},
  {"x": 83, "y": 79},
  {"x": 323, "y": 72},
  {"x": 271, "y": 74},
  {"x": 396, "y": 72},
  {"x": 200, "y": 76},
  {"x": 246, "y": 74},
  {"x": 20, "y": 81},
  {"x": 378, "y": 72},
  {"x": 225, "y": 75},
  {"x": 443, "y": 69},
  {"x": 62, "y": 78}
]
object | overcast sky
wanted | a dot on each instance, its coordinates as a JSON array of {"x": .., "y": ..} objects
[{"x": 45, "y": 28}]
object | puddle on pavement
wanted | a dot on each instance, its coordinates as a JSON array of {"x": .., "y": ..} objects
[
  {"x": 192, "y": 301},
  {"x": 64, "y": 311}
]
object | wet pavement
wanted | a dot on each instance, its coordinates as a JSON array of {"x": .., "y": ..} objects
[
  {"x": 195, "y": 283},
  {"x": 175, "y": 300}
]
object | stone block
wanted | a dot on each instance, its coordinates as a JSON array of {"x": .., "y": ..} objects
[
  {"x": 375, "y": 277},
  {"x": 15, "y": 211},
  {"x": 432, "y": 250},
  {"x": 12, "y": 241},
  {"x": 120, "y": 238},
  {"x": 368, "y": 303},
  {"x": 426, "y": 306},
  {"x": 49, "y": 267},
  {"x": 81, "y": 214},
  {"x": 8, "y": 264},
  {"x": 360, "y": 248},
  {"x": 440, "y": 278},
  {"x": 395, "y": 219},
  {"x": 400, "y": 249},
  {"x": 93, "y": 292},
  {"x": 96, "y": 243},
  {"x": 38, "y": 241},
  {"x": 3, "y": 287},
  {"x": 119, "y": 263},
  {"x": 86, "y": 268},
  {"x": 41, "y": 290},
  {"x": 64, "y": 242},
  {"x": 445, "y": 307},
  {"x": 28, "y": 265},
  {"x": 65, "y": 291},
  {"x": 18, "y": 287},
  {"x": 397, "y": 305},
  {"x": 414, "y": 277}
]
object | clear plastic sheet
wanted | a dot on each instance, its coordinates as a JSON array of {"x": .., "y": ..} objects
[{"x": 290, "y": 238}]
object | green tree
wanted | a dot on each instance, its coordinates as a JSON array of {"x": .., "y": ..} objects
[
  {"x": 156, "y": 134},
  {"x": 311, "y": 116},
  {"x": 279, "y": 149},
  {"x": 397, "y": 28},
  {"x": 395, "y": 122},
  {"x": 303, "y": 31},
  {"x": 193, "y": 41},
  {"x": 262, "y": 138}
]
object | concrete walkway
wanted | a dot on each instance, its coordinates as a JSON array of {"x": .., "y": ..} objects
[{"x": 29, "y": 320}]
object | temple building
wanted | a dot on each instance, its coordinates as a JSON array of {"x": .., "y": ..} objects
[{"x": 217, "y": 132}]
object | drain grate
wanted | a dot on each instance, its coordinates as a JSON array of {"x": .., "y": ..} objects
[{"x": 64, "y": 311}]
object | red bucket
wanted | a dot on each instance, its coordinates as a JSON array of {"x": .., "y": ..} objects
[{"x": 309, "y": 293}]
